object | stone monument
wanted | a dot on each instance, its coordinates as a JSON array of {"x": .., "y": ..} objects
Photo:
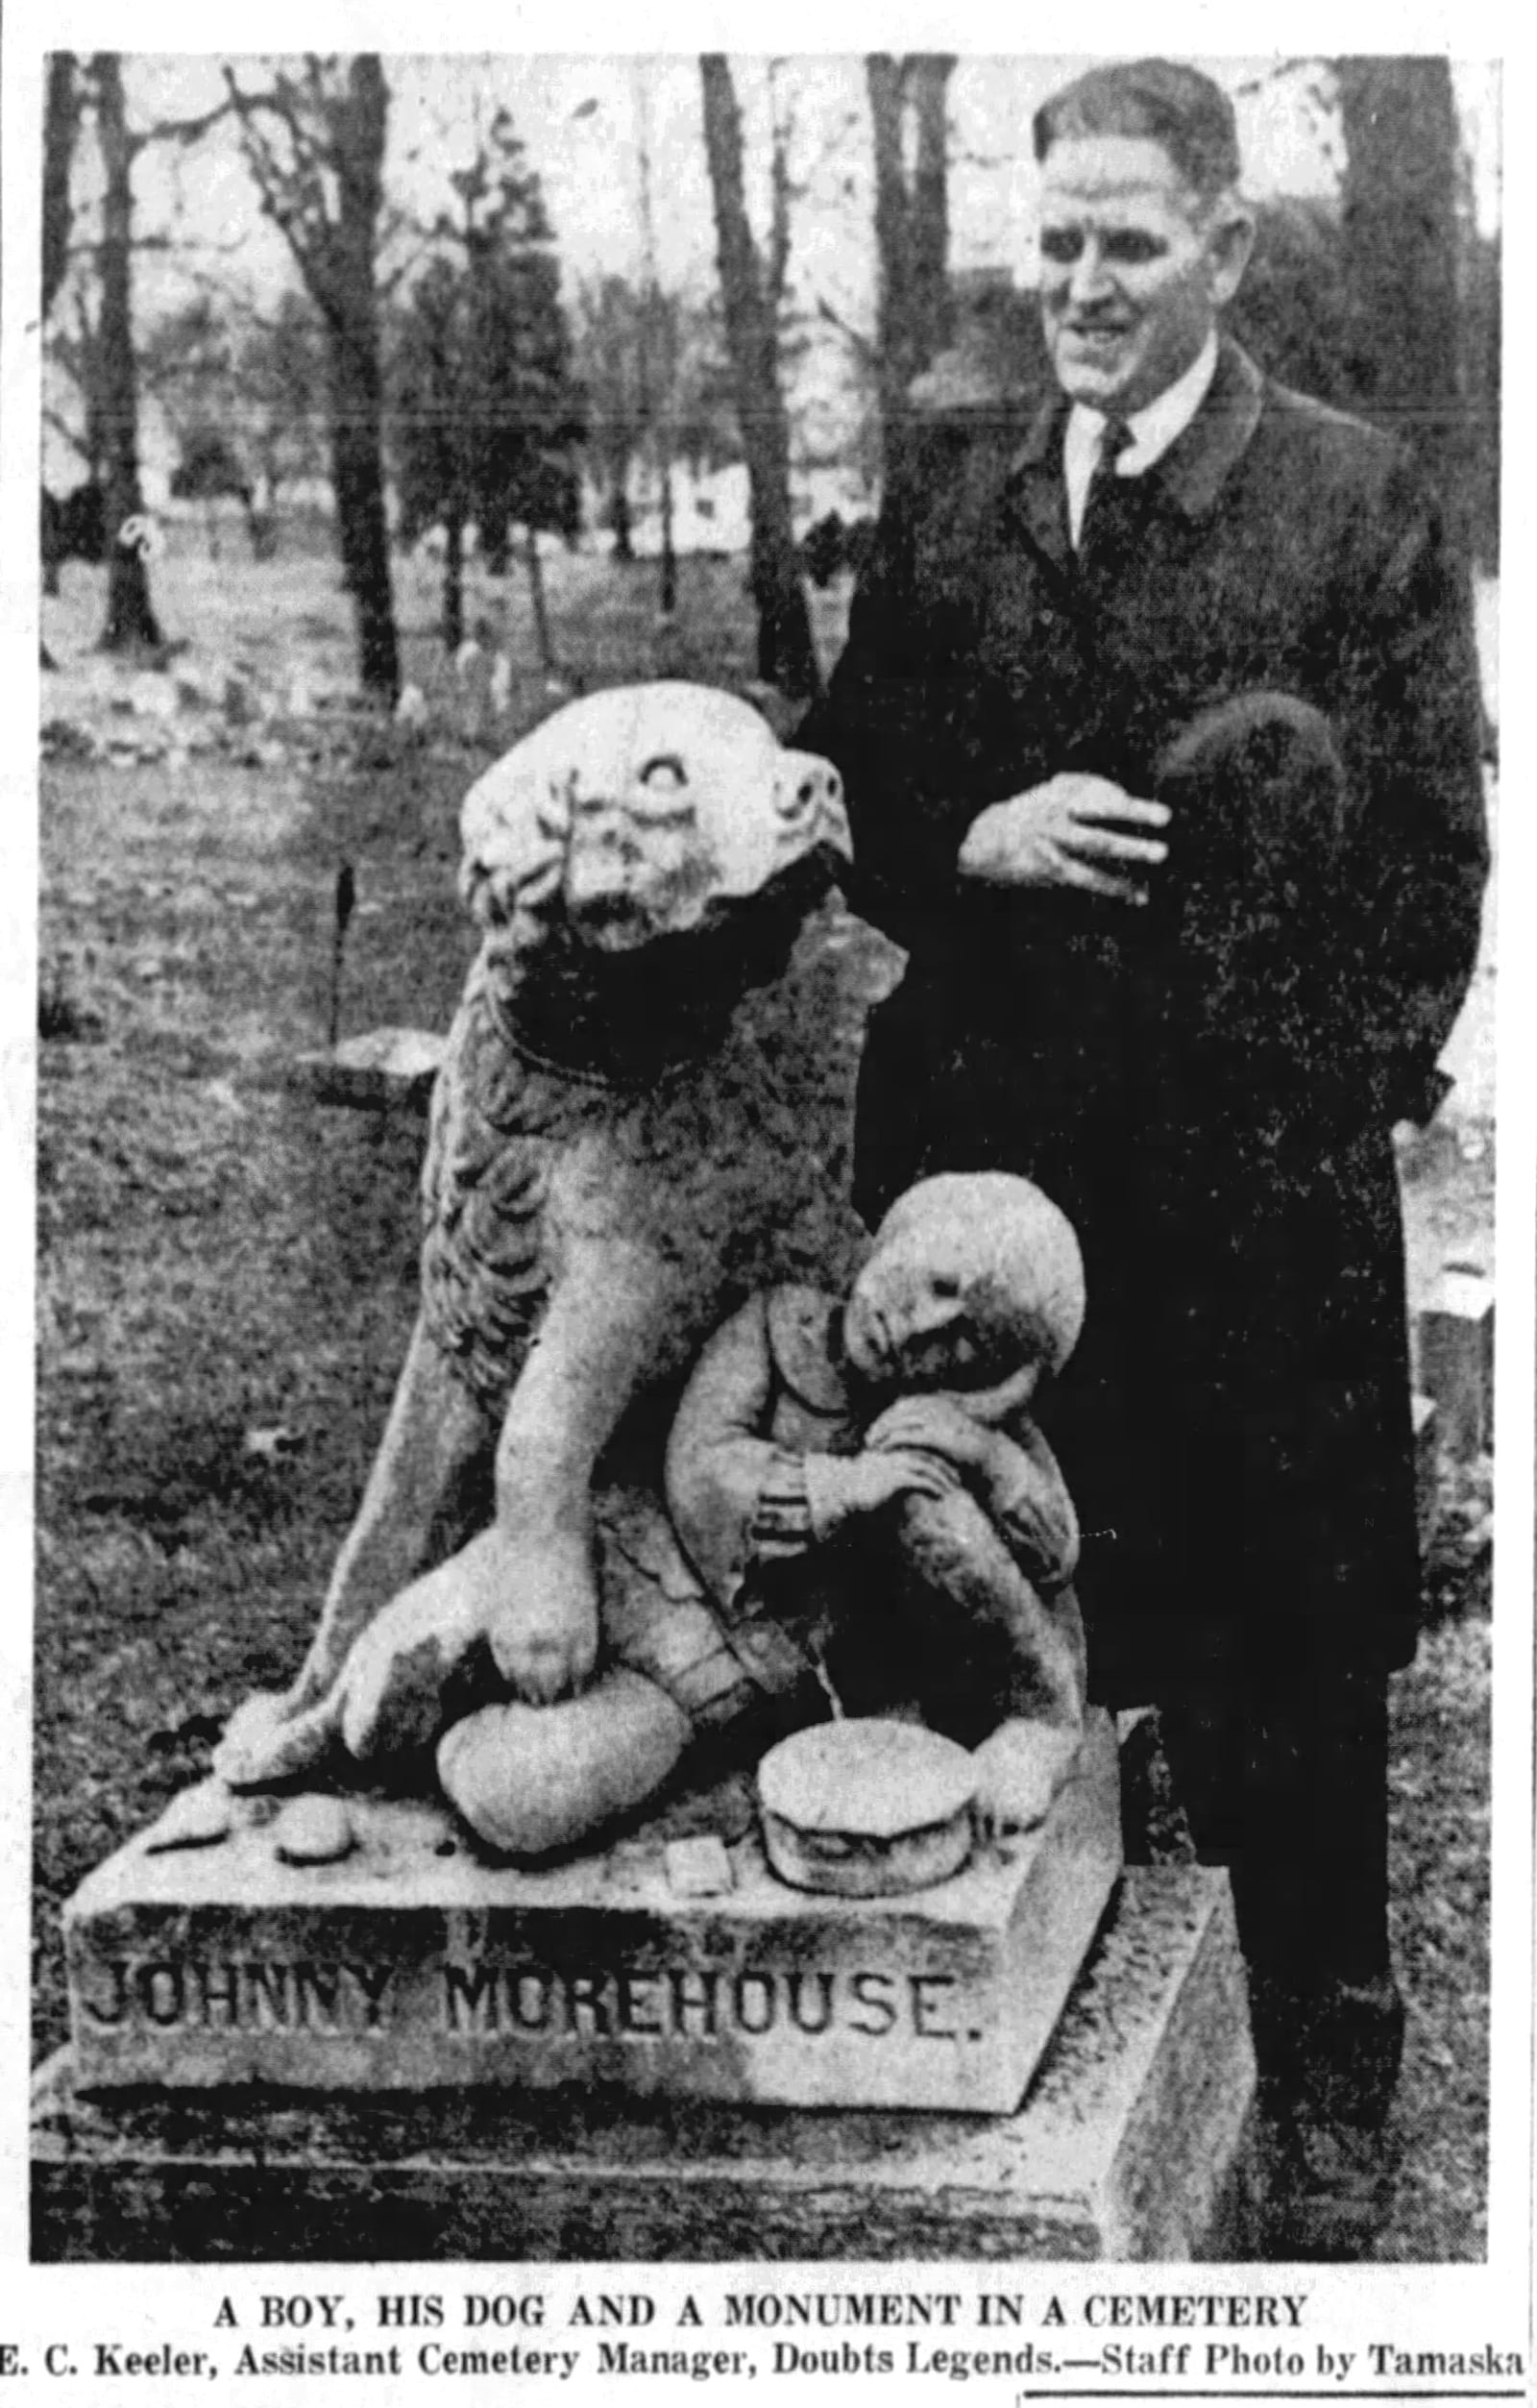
[{"x": 628, "y": 1158}]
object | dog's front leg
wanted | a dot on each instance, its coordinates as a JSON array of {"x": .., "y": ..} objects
[
  {"x": 607, "y": 1324},
  {"x": 418, "y": 1506}
]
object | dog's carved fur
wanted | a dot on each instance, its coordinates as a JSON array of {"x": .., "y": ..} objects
[{"x": 620, "y": 1150}]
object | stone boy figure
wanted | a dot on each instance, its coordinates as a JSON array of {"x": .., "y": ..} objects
[
  {"x": 862, "y": 1491},
  {"x": 868, "y": 1472},
  {"x": 870, "y": 1508}
]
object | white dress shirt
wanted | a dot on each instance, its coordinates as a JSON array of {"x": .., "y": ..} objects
[{"x": 1152, "y": 430}]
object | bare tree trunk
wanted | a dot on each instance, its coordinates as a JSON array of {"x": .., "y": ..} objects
[
  {"x": 61, "y": 126},
  {"x": 911, "y": 233},
  {"x": 496, "y": 547},
  {"x": 536, "y": 595},
  {"x": 131, "y": 622},
  {"x": 453, "y": 582},
  {"x": 785, "y": 654},
  {"x": 668, "y": 594},
  {"x": 1400, "y": 253},
  {"x": 658, "y": 350},
  {"x": 357, "y": 384},
  {"x": 618, "y": 513},
  {"x": 357, "y": 477},
  {"x": 325, "y": 194},
  {"x": 930, "y": 247}
]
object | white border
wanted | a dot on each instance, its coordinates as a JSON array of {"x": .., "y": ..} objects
[{"x": 1410, "y": 2306}]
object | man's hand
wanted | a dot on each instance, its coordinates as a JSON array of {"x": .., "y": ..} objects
[
  {"x": 937, "y": 1425},
  {"x": 1075, "y": 830}
]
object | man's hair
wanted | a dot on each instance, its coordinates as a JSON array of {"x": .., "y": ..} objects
[{"x": 1150, "y": 99}]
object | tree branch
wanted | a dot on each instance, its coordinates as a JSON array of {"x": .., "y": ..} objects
[
  {"x": 183, "y": 130},
  {"x": 862, "y": 343},
  {"x": 60, "y": 427}
]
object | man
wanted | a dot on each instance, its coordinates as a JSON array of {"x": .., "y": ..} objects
[{"x": 1160, "y": 724}]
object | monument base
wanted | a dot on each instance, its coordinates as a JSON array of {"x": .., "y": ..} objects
[
  {"x": 409, "y": 1964},
  {"x": 1134, "y": 2141}
]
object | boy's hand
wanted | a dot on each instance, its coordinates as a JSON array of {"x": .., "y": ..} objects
[
  {"x": 862, "y": 1484},
  {"x": 935, "y": 1424},
  {"x": 1021, "y": 1770}
]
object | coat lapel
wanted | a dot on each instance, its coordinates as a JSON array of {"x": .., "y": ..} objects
[
  {"x": 1193, "y": 469},
  {"x": 1035, "y": 496},
  {"x": 1190, "y": 474}
]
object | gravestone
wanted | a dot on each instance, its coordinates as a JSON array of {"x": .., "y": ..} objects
[
  {"x": 1135, "y": 2141},
  {"x": 384, "y": 1066},
  {"x": 345, "y": 2058},
  {"x": 327, "y": 2025},
  {"x": 1455, "y": 1334},
  {"x": 410, "y": 1964}
]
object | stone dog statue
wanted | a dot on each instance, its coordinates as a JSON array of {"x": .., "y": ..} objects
[{"x": 617, "y": 1156}]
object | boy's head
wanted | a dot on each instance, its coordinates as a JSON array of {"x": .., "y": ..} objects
[{"x": 974, "y": 1283}]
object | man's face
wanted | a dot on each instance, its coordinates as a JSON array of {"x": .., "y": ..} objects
[{"x": 1133, "y": 269}]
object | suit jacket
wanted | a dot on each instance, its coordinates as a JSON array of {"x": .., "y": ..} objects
[{"x": 1237, "y": 1414}]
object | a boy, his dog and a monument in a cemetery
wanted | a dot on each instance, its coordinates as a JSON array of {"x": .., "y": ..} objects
[{"x": 765, "y": 1158}]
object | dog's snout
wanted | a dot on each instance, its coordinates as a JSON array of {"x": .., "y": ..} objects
[{"x": 807, "y": 790}]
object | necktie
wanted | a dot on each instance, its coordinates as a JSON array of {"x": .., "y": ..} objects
[{"x": 1115, "y": 438}]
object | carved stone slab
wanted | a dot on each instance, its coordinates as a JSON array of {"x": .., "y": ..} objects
[
  {"x": 385, "y": 1066},
  {"x": 408, "y": 1964},
  {"x": 1134, "y": 2141}
]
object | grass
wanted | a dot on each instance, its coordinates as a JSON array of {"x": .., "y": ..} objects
[{"x": 227, "y": 1269}]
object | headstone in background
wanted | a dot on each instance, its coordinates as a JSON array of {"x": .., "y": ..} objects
[
  {"x": 1456, "y": 1359},
  {"x": 383, "y": 1066}
]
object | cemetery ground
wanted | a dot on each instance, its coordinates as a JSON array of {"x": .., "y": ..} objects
[{"x": 227, "y": 1267}]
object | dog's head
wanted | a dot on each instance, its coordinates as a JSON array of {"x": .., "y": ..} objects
[{"x": 642, "y": 813}]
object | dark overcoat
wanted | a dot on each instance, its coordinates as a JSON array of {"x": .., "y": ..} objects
[{"x": 1236, "y": 1427}]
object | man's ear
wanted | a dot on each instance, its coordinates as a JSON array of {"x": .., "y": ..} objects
[{"x": 1230, "y": 243}]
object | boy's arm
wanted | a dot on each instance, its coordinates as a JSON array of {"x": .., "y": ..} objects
[
  {"x": 1012, "y": 1474},
  {"x": 735, "y": 1497},
  {"x": 1027, "y": 1498}
]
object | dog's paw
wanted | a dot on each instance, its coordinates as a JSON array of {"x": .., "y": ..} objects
[
  {"x": 545, "y": 1656},
  {"x": 266, "y": 1743},
  {"x": 539, "y": 1595}
]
